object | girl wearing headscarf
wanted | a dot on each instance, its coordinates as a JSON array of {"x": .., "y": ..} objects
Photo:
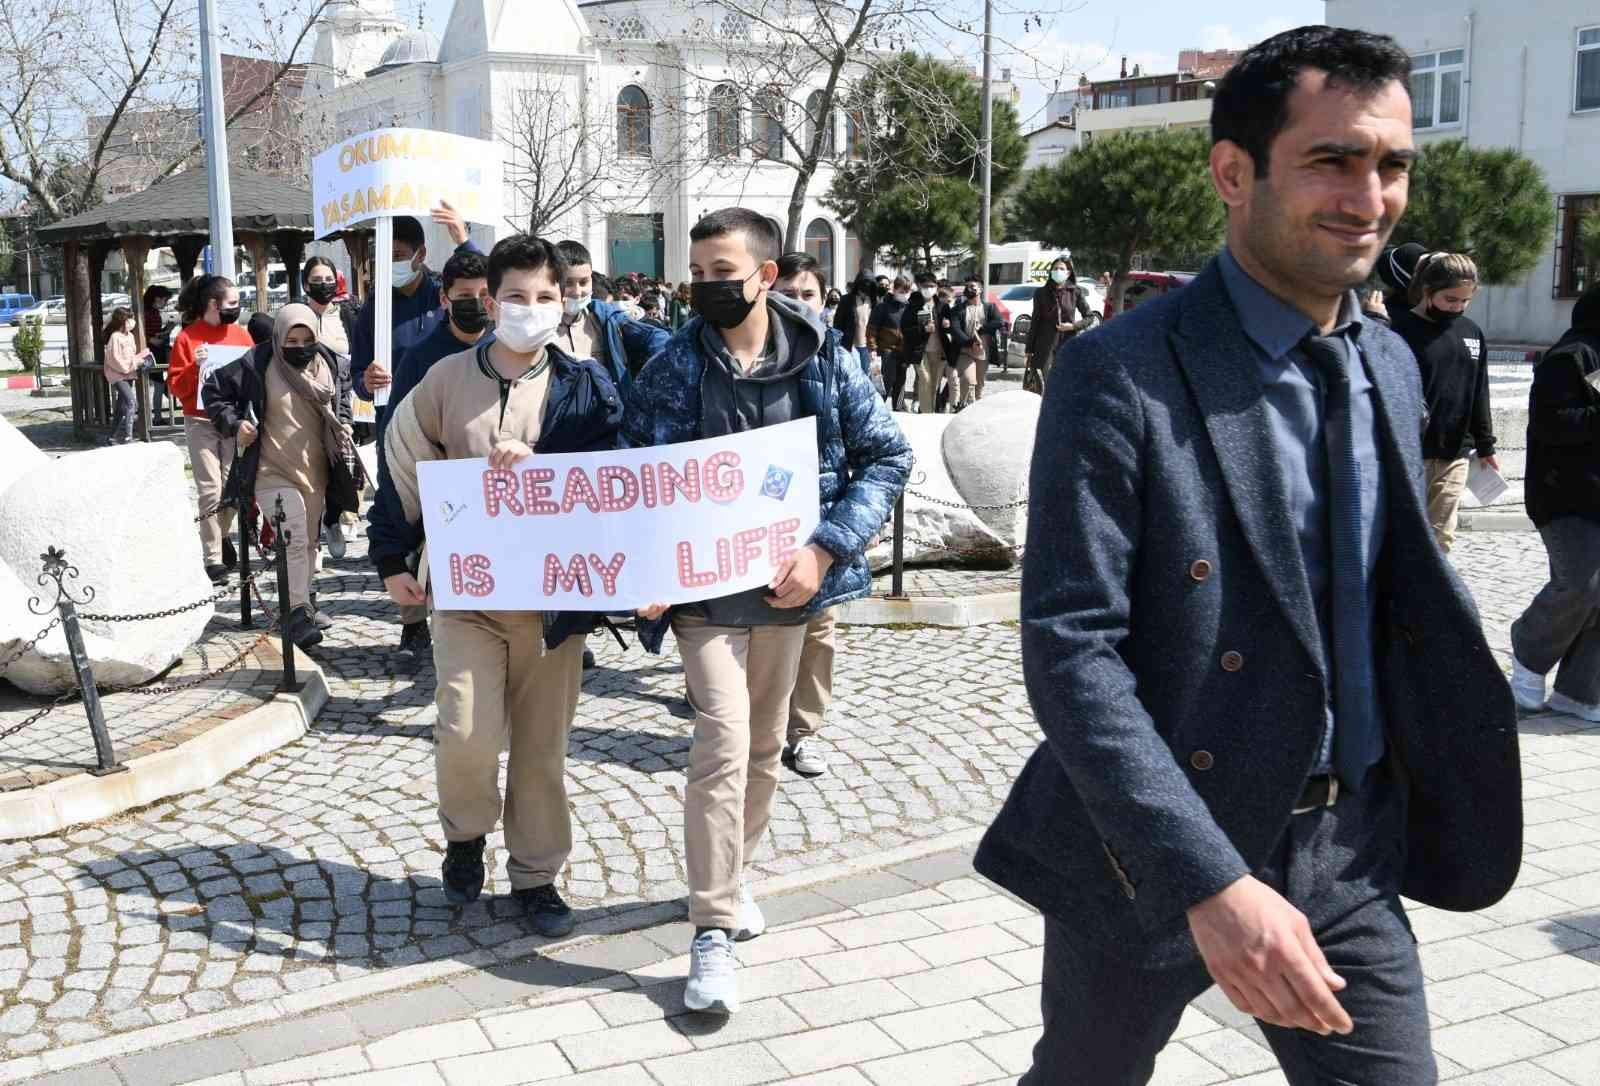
[{"x": 281, "y": 403}]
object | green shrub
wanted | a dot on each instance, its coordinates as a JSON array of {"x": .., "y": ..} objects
[{"x": 29, "y": 343}]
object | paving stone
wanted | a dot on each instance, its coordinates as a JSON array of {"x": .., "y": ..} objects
[
  {"x": 178, "y": 1063},
  {"x": 949, "y": 1065},
  {"x": 531, "y": 1027},
  {"x": 425, "y": 1043},
  {"x": 1486, "y": 1042},
  {"x": 835, "y": 1046},
  {"x": 623, "y": 1044},
  {"x": 733, "y": 1065}
]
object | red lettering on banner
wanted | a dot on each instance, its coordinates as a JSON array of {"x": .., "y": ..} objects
[
  {"x": 688, "y": 577},
  {"x": 579, "y": 489},
  {"x": 647, "y": 484},
  {"x": 500, "y": 488},
  {"x": 719, "y": 486},
  {"x": 746, "y": 545},
  {"x": 608, "y": 571},
  {"x": 724, "y": 562},
  {"x": 610, "y": 500},
  {"x": 536, "y": 491},
  {"x": 574, "y": 577},
  {"x": 687, "y": 483},
  {"x": 470, "y": 576},
  {"x": 781, "y": 540}
]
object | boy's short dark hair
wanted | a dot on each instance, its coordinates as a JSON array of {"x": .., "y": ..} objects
[
  {"x": 650, "y": 300},
  {"x": 926, "y": 278},
  {"x": 464, "y": 265},
  {"x": 575, "y": 253},
  {"x": 408, "y": 231},
  {"x": 524, "y": 252},
  {"x": 1252, "y": 101},
  {"x": 793, "y": 264},
  {"x": 759, "y": 237},
  {"x": 601, "y": 285}
]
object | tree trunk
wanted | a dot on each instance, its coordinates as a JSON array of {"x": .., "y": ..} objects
[{"x": 794, "y": 239}]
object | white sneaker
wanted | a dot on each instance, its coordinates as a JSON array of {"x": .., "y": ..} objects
[
  {"x": 752, "y": 922},
  {"x": 713, "y": 974},
  {"x": 1560, "y": 703},
  {"x": 1527, "y": 686},
  {"x": 805, "y": 757}
]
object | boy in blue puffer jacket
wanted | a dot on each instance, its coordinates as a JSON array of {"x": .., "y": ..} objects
[{"x": 752, "y": 358}]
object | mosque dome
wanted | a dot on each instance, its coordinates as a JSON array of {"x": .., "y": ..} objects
[{"x": 412, "y": 47}]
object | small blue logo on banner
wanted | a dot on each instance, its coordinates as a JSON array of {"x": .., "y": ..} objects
[{"x": 776, "y": 484}]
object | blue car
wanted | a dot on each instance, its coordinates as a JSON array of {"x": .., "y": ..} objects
[{"x": 12, "y": 304}]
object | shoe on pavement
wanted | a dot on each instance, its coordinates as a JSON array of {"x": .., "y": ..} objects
[
  {"x": 303, "y": 629},
  {"x": 1527, "y": 686},
  {"x": 752, "y": 921},
  {"x": 320, "y": 619},
  {"x": 713, "y": 974},
  {"x": 588, "y": 660},
  {"x": 218, "y": 574},
  {"x": 463, "y": 871},
  {"x": 416, "y": 643},
  {"x": 1560, "y": 703},
  {"x": 549, "y": 914},
  {"x": 336, "y": 541},
  {"x": 230, "y": 555},
  {"x": 805, "y": 758}
]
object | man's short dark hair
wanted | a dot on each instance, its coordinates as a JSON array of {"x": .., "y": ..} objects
[
  {"x": 925, "y": 277},
  {"x": 601, "y": 285},
  {"x": 1252, "y": 102},
  {"x": 575, "y": 253},
  {"x": 524, "y": 252},
  {"x": 759, "y": 237},
  {"x": 650, "y": 300},
  {"x": 464, "y": 265},
  {"x": 793, "y": 264},
  {"x": 408, "y": 231}
]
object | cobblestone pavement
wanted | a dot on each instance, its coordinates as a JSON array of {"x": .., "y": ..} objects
[{"x": 318, "y": 864}]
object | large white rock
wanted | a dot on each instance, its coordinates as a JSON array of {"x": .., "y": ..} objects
[
  {"x": 988, "y": 448},
  {"x": 124, "y": 517},
  {"x": 18, "y": 455},
  {"x": 939, "y": 526}
]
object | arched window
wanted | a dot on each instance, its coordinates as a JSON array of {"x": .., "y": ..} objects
[
  {"x": 633, "y": 122},
  {"x": 722, "y": 121},
  {"x": 813, "y": 119},
  {"x": 819, "y": 243},
  {"x": 766, "y": 124}
]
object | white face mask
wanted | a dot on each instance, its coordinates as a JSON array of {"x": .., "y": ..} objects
[
  {"x": 901, "y": 298},
  {"x": 1058, "y": 275},
  {"x": 929, "y": 292},
  {"x": 403, "y": 274},
  {"x": 526, "y": 328},
  {"x": 572, "y": 306}
]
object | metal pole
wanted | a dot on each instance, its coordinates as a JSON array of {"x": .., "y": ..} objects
[
  {"x": 213, "y": 114},
  {"x": 986, "y": 145},
  {"x": 280, "y": 546},
  {"x": 105, "y": 755},
  {"x": 383, "y": 309},
  {"x": 897, "y": 587},
  {"x": 246, "y": 512}
]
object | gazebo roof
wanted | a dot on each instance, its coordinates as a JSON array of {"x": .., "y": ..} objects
[{"x": 179, "y": 205}]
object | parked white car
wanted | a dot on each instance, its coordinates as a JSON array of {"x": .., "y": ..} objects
[{"x": 51, "y": 311}]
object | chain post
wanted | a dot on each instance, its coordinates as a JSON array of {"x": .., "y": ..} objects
[
  {"x": 55, "y": 567},
  {"x": 897, "y": 589},
  {"x": 280, "y": 547},
  {"x": 246, "y": 506}
]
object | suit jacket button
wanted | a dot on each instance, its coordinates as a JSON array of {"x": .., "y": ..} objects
[
  {"x": 1202, "y": 760},
  {"x": 1199, "y": 569},
  {"x": 1232, "y": 661}
]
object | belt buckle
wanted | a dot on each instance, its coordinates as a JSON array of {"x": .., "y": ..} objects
[{"x": 1332, "y": 798}]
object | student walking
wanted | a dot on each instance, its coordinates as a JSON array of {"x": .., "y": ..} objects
[
  {"x": 753, "y": 358},
  {"x": 884, "y": 338},
  {"x": 1060, "y": 312},
  {"x": 1454, "y": 359},
  {"x": 121, "y": 355},
  {"x": 925, "y": 337},
  {"x": 974, "y": 327}
]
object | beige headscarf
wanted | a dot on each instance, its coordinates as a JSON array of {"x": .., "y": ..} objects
[{"x": 314, "y": 384}]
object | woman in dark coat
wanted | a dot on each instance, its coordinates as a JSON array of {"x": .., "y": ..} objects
[{"x": 1060, "y": 312}]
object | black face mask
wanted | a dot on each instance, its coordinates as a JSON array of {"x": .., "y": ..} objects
[
  {"x": 228, "y": 316},
  {"x": 972, "y": 295},
  {"x": 467, "y": 314},
  {"x": 320, "y": 292},
  {"x": 721, "y": 301},
  {"x": 299, "y": 357},
  {"x": 1441, "y": 316}
]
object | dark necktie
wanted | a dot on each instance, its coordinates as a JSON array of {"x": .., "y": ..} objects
[{"x": 1357, "y": 734}]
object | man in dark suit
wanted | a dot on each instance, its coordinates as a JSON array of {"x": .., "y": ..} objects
[{"x": 1268, "y": 706}]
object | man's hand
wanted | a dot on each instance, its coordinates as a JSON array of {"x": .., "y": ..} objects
[
  {"x": 800, "y": 576},
  {"x": 1062, "y": 326},
  {"x": 449, "y": 218},
  {"x": 1260, "y": 951},
  {"x": 404, "y": 590},
  {"x": 508, "y": 452},
  {"x": 376, "y": 376},
  {"x": 653, "y": 612},
  {"x": 1491, "y": 461},
  {"x": 246, "y": 435}
]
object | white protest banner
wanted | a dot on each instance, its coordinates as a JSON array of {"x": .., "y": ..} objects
[
  {"x": 217, "y": 356},
  {"x": 614, "y": 531},
  {"x": 404, "y": 171}
]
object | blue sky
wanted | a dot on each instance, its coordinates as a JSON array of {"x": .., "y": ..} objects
[{"x": 1091, "y": 37}]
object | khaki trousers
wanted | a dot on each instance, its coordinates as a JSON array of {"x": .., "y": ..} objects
[
  {"x": 740, "y": 681},
  {"x": 1446, "y": 480},
  {"x": 499, "y": 686},
  {"x": 813, "y": 686},
  {"x": 970, "y": 370},
  {"x": 929, "y": 372},
  {"x": 303, "y": 517},
  {"x": 210, "y": 457}
]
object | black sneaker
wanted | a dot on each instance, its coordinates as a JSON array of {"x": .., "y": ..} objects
[
  {"x": 218, "y": 575},
  {"x": 588, "y": 660},
  {"x": 463, "y": 871},
  {"x": 303, "y": 630},
  {"x": 230, "y": 556},
  {"x": 416, "y": 643},
  {"x": 550, "y": 916}
]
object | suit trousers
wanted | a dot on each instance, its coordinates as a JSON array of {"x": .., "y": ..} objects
[
  {"x": 303, "y": 518},
  {"x": 499, "y": 687},
  {"x": 813, "y": 686},
  {"x": 1559, "y": 628},
  {"x": 740, "y": 680},
  {"x": 1107, "y": 1016},
  {"x": 210, "y": 457}
]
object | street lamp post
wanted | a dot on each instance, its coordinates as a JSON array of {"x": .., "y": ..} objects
[
  {"x": 214, "y": 120},
  {"x": 986, "y": 146}
]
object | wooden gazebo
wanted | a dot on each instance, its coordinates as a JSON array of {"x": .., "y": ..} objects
[{"x": 268, "y": 213}]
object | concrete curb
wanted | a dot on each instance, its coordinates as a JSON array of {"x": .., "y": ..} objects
[
  {"x": 933, "y": 610},
  {"x": 633, "y": 918},
  {"x": 1493, "y": 521},
  {"x": 197, "y": 763}
]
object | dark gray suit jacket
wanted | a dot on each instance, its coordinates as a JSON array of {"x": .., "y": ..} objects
[{"x": 1172, "y": 652}]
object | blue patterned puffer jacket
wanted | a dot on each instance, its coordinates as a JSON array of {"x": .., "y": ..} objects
[{"x": 863, "y": 459}]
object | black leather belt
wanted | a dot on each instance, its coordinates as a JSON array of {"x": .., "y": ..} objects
[{"x": 1318, "y": 792}]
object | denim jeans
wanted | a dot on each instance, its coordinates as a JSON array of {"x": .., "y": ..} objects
[{"x": 1558, "y": 628}]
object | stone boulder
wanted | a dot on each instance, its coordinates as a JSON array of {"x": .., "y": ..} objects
[
  {"x": 988, "y": 449},
  {"x": 939, "y": 526},
  {"x": 126, "y": 521},
  {"x": 18, "y": 455}
]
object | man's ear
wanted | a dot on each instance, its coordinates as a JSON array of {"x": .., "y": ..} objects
[
  {"x": 420, "y": 257},
  {"x": 1233, "y": 173}
]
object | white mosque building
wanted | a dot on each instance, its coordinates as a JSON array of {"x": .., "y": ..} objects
[{"x": 658, "y": 89}]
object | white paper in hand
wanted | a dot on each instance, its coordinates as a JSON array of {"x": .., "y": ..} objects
[
  {"x": 217, "y": 356},
  {"x": 1486, "y": 484}
]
